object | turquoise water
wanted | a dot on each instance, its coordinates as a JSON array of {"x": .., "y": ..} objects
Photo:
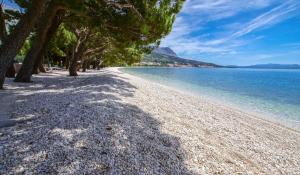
[{"x": 274, "y": 93}]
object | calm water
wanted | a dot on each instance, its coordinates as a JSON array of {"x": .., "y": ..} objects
[{"x": 274, "y": 93}]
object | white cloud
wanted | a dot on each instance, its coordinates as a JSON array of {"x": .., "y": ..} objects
[
  {"x": 197, "y": 14},
  {"x": 274, "y": 16},
  {"x": 219, "y": 9}
]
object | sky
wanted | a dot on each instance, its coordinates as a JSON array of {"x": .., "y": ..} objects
[
  {"x": 237, "y": 32},
  {"x": 9, "y": 4}
]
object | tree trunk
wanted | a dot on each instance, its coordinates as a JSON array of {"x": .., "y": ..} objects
[
  {"x": 11, "y": 72},
  {"x": 68, "y": 58},
  {"x": 51, "y": 31},
  {"x": 67, "y": 63},
  {"x": 35, "y": 69},
  {"x": 45, "y": 24},
  {"x": 94, "y": 64},
  {"x": 77, "y": 55},
  {"x": 3, "y": 32},
  {"x": 39, "y": 68},
  {"x": 73, "y": 68},
  {"x": 14, "y": 42},
  {"x": 88, "y": 64},
  {"x": 84, "y": 65},
  {"x": 73, "y": 64},
  {"x": 38, "y": 65},
  {"x": 84, "y": 69},
  {"x": 42, "y": 68}
]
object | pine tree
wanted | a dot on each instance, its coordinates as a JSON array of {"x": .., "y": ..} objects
[{"x": 15, "y": 40}]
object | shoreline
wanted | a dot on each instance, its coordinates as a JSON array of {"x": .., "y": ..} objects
[
  {"x": 267, "y": 117},
  {"x": 110, "y": 122}
]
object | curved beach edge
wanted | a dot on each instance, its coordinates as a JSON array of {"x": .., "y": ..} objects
[{"x": 290, "y": 125}]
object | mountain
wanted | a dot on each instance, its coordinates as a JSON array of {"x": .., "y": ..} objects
[
  {"x": 165, "y": 51},
  {"x": 269, "y": 66},
  {"x": 165, "y": 56}
]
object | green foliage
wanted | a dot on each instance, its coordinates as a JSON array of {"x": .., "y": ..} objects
[
  {"x": 120, "y": 32},
  {"x": 116, "y": 56},
  {"x": 132, "y": 30},
  {"x": 24, "y": 50},
  {"x": 62, "y": 42}
]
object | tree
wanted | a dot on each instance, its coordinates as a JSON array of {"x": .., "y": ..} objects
[
  {"x": 90, "y": 42},
  {"x": 3, "y": 32},
  {"x": 62, "y": 44},
  {"x": 82, "y": 36},
  {"x": 50, "y": 33},
  {"x": 137, "y": 23},
  {"x": 40, "y": 40},
  {"x": 47, "y": 27},
  {"x": 15, "y": 40}
]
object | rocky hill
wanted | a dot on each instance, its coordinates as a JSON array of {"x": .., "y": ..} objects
[
  {"x": 165, "y": 51},
  {"x": 165, "y": 56}
]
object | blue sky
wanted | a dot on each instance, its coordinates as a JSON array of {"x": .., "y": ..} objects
[
  {"x": 9, "y": 4},
  {"x": 238, "y": 32}
]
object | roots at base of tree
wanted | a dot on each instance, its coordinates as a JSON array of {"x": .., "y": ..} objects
[
  {"x": 73, "y": 70},
  {"x": 23, "y": 79},
  {"x": 73, "y": 74}
]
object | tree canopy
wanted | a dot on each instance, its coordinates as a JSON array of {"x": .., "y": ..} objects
[{"x": 82, "y": 33}]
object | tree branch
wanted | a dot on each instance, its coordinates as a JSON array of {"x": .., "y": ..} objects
[
  {"x": 91, "y": 51},
  {"x": 126, "y": 6}
]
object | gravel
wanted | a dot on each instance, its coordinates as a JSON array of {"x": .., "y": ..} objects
[{"x": 109, "y": 122}]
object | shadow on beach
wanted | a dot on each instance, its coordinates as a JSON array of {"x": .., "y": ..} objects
[{"x": 82, "y": 126}]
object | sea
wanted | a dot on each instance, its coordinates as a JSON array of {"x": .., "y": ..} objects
[{"x": 271, "y": 93}]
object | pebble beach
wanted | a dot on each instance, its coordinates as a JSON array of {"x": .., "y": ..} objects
[{"x": 110, "y": 122}]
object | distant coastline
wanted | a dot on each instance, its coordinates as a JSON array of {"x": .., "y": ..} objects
[
  {"x": 211, "y": 65},
  {"x": 166, "y": 57},
  {"x": 268, "y": 66}
]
